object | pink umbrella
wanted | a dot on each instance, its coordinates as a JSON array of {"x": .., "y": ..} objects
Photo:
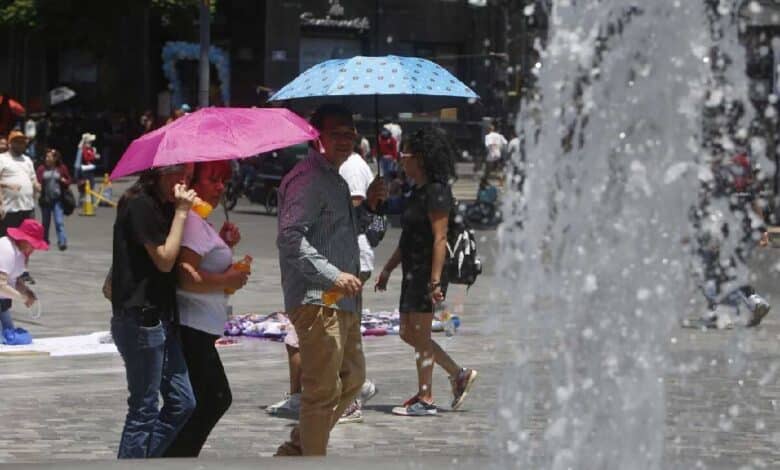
[{"x": 215, "y": 134}]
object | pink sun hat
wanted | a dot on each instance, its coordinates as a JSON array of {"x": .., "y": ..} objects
[{"x": 30, "y": 231}]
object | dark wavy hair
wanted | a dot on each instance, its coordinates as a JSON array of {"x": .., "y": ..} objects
[
  {"x": 145, "y": 184},
  {"x": 438, "y": 154}
]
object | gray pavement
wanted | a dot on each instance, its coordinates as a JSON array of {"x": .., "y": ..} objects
[{"x": 70, "y": 410}]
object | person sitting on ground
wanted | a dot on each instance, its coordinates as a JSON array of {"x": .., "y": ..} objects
[
  {"x": 487, "y": 193},
  {"x": 483, "y": 211},
  {"x": 205, "y": 271},
  {"x": 15, "y": 250}
]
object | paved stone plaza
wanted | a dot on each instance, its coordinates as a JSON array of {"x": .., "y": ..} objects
[{"x": 722, "y": 393}]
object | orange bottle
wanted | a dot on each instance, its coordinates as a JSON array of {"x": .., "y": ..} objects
[
  {"x": 245, "y": 266},
  {"x": 202, "y": 208},
  {"x": 332, "y": 296}
]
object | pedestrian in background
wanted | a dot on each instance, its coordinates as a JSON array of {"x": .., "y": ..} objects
[
  {"x": 495, "y": 144},
  {"x": 359, "y": 177},
  {"x": 147, "y": 241},
  {"x": 516, "y": 156},
  {"x": 428, "y": 159},
  {"x": 146, "y": 122},
  {"x": 205, "y": 271},
  {"x": 397, "y": 132},
  {"x": 3, "y": 144},
  {"x": 85, "y": 165},
  {"x": 388, "y": 155},
  {"x": 54, "y": 178},
  {"x": 364, "y": 149},
  {"x": 18, "y": 183},
  {"x": 318, "y": 254}
]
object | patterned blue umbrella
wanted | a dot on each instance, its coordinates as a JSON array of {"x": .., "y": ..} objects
[{"x": 388, "y": 84}]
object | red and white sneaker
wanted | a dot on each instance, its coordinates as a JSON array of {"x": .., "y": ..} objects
[
  {"x": 415, "y": 407},
  {"x": 461, "y": 385}
]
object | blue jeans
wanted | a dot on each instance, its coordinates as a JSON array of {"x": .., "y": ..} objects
[
  {"x": 5, "y": 320},
  {"x": 155, "y": 364},
  {"x": 59, "y": 222},
  {"x": 388, "y": 169}
]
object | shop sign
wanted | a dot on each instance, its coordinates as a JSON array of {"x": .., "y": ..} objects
[{"x": 335, "y": 19}]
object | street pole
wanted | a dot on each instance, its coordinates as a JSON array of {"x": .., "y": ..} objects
[
  {"x": 376, "y": 28},
  {"x": 376, "y": 96},
  {"x": 205, "y": 39}
]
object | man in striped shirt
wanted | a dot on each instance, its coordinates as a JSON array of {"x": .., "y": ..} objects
[{"x": 318, "y": 254}]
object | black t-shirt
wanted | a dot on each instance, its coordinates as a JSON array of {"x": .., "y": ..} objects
[
  {"x": 417, "y": 234},
  {"x": 136, "y": 282}
]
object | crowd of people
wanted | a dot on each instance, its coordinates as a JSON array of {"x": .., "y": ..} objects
[
  {"x": 172, "y": 273},
  {"x": 169, "y": 278},
  {"x": 732, "y": 186}
]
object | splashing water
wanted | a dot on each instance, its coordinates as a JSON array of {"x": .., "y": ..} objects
[{"x": 592, "y": 246}]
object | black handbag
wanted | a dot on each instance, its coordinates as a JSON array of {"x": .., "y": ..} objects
[
  {"x": 376, "y": 228},
  {"x": 68, "y": 201},
  {"x": 372, "y": 225}
]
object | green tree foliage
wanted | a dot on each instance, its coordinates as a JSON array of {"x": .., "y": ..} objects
[
  {"x": 91, "y": 22},
  {"x": 17, "y": 12}
]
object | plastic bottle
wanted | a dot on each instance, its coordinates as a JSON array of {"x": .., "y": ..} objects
[
  {"x": 332, "y": 296},
  {"x": 245, "y": 266},
  {"x": 448, "y": 322},
  {"x": 202, "y": 208}
]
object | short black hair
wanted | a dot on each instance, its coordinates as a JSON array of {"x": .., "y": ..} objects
[{"x": 330, "y": 110}]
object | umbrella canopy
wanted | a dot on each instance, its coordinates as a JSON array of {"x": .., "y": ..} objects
[
  {"x": 372, "y": 84},
  {"x": 15, "y": 106},
  {"x": 215, "y": 134},
  {"x": 60, "y": 94}
]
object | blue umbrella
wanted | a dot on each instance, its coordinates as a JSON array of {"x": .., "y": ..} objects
[{"x": 388, "y": 84}]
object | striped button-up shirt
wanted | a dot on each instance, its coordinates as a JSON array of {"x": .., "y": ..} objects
[{"x": 317, "y": 237}]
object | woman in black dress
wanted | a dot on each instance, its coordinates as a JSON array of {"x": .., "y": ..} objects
[{"x": 428, "y": 159}]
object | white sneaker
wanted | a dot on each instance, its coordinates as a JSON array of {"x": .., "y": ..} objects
[
  {"x": 352, "y": 414},
  {"x": 759, "y": 307},
  {"x": 368, "y": 391},
  {"x": 723, "y": 322},
  {"x": 718, "y": 318},
  {"x": 415, "y": 407},
  {"x": 291, "y": 404}
]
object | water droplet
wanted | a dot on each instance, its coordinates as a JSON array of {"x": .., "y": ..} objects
[{"x": 591, "y": 284}]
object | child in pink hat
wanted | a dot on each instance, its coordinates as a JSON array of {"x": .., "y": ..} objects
[{"x": 15, "y": 251}]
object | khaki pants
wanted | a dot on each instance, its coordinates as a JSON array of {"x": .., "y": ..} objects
[{"x": 333, "y": 371}]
